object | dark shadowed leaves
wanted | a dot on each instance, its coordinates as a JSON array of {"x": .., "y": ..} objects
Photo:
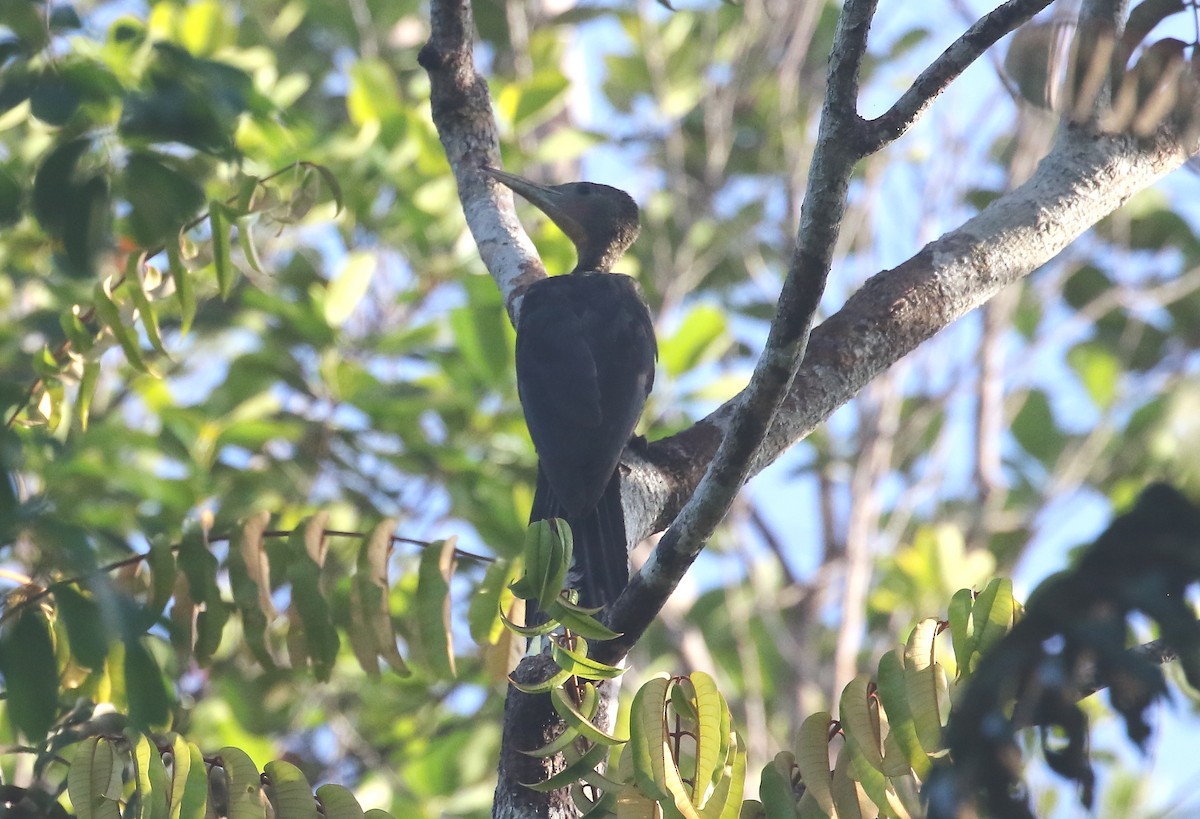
[
  {"x": 30, "y": 673},
  {"x": 163, "y": 196},
  {"x": 1072, "y": 641}
]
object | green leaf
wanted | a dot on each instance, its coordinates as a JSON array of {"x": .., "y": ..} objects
[
  {"x": 85, "y": 625},
  {"x": 30, "y": 674},
  {"x": 553, "y": 681},
  {"x": 548, "y": 547},
  {"x": 206, "y": 27},
  {"x": 961, "y": 631},
  {"x": 290, "y": 791},
  {"x": 245, "y": 234},
  {"x": 702, "y": 336},
  {"x": 163, "y": 195},
  {"x": 849, "y": 797},
  {"x": 579, "y": 717},
  {"x": 859, "y": 715},
  {"x": 348, "y": 287},
  {"x": 1098, "y": 369},
  {"x": 90, "y": 780},
  {"x": 432, "y": 608},
  {"x": 338, "y": 803},
  {"x": 110, "y": 316},
  {"x": 370, "y": 603},
  {"x": 189, "y": 781},
  {"x": 893, "y": 696},
  {"x": 249, "y": 580},
  {"x": 244, "y": 785},
  {"x": 218, "y": 219},
  {"x": 812, "y": 758},
  {"x": 579, "y": 664},
  {"x": 1035, "y": 429},
  {"x": 574, "y": 770},
  {"x": 136, "y": 286},
  {"x": 726, "y": 800},
  {"x": 87, "y": 391},
  {"x": 481, "y": 336},
  {"x": 151, "y": 789},
  {"x": 648, "y": 741},
  {"x": 149, "y": 703},
  {"x": 56, "y": 183},
  {"x": 330, "y": 181},
  {"x": 775, "y": 787},
  {"x": 924, "y": 684},
  {"x": 199, "y": 567},
  {"x": 484, "y": 610},
  {"x": 527, "y": 104},
  {"x": 374, "y": 94},
  {"x": 184, "y": 290},
  {"x": 304, "y": 573},
  {"x": 161, "y": 561},
  {"x": 712, "y": 735},
  {"x": 993, "y": 614},
  {"x": 581, "y": 624}
]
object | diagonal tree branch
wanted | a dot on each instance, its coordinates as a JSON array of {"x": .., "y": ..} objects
[
  {"x": 754, "y": 412},
  {"x": 968, "y": 48}
]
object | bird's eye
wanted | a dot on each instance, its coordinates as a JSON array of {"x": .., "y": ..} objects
[{"x": 582, "y": 189}]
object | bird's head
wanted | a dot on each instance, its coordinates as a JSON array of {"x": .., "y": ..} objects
[{"x": 602, "y": 221}]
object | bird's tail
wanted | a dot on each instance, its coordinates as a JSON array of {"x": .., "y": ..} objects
[{"x": 601, "y": 563}]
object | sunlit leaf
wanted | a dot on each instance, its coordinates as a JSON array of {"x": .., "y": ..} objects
[
  {"x": 290, "y": 792},
  {"x": 348, "y": 287}
]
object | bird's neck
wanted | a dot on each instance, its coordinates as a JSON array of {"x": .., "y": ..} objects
[
  {"x": 602, "y": 252},
  {"x": 601, "y": 260}
]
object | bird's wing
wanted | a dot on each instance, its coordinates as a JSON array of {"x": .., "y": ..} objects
[{"x": 555, "y": 368}]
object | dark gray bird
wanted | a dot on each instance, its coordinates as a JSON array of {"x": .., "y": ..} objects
[{"x": 585, "y": 364}]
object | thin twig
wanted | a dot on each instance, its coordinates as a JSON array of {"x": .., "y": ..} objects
[
  {"x": 134, "y": 559},
  {"x": 964, "y": 51}
]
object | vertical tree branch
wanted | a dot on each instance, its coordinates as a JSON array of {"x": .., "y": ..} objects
[{"x": 834, "y": 159}]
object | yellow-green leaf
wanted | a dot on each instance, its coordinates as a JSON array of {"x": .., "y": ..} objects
[
  {"x": 222, "y": 259},
  {"x": 87, "y": 391},
  {"x": 338, "y": 802},
  {"x": 349, "y": 286},
  {"x": 136, "y": 286},
  {"x": 89, "y": 779},
  {"x": 244, "y": 784},
  {"x": 893, "y": 696},
  {"x": 184, "y": 290},
  {"x": 812, "y": 758},
  {"x": 579, "y": 664},
  {"x": 921, "y": 682},
  {"x": 859, "y": 715},
  {"x": 290, "y": 791},
  {"x": 710, "y": 742},
  {"x": 110, "y": 316},
  {"x": 580, "y": 717},
  {"x": 189, "y": 781}
]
